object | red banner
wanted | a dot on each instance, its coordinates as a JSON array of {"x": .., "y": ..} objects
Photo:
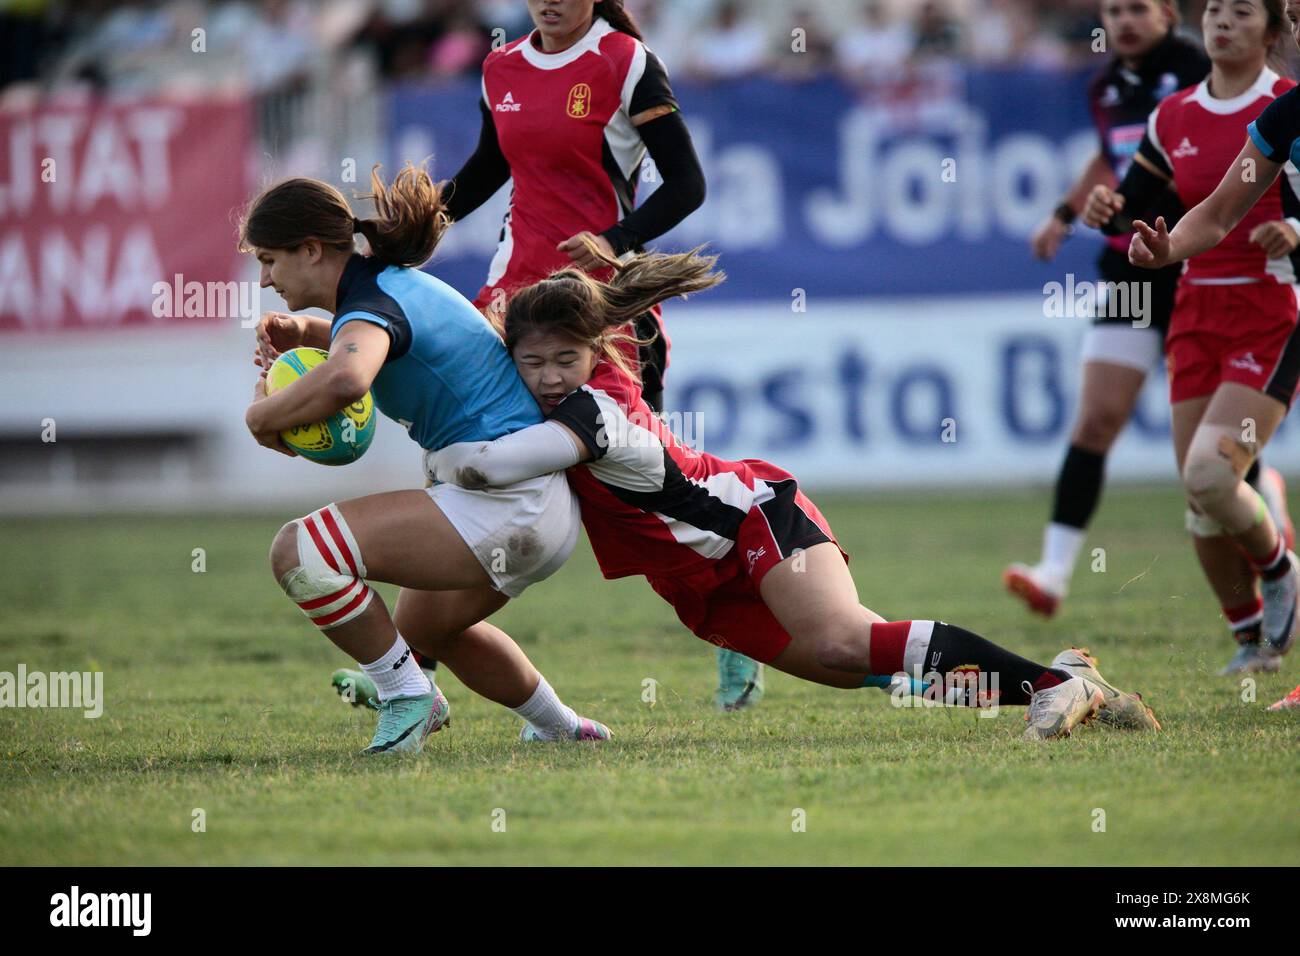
[{"x": 120, "y": 214}]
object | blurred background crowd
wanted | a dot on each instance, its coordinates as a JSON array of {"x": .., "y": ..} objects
[{"x": 265, "y": 45}]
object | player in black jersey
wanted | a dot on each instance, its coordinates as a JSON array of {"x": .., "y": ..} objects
[{"x": 1149, "y": 61}]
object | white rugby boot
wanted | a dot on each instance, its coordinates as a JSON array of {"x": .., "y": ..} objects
[
  {"x": 1279, "y": 596},
  {"x": 1121, "y": 710},
  {"x": 1055, "y": 712}
]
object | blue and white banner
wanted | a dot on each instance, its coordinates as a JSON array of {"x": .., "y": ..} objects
[
  {"x": 900, "y": 393},
  {"x": 813, "y": 186}
]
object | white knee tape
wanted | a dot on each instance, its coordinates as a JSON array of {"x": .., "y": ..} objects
[
  {"x": 1216, "y": 460},
  {"x": 1203, "y": 526},
  {"x": 329, "y": 581}
]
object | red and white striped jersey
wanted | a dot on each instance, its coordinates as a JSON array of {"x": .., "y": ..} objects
[
  {"x": 1193, "y": 138},
  {"x": 650, "y": 504},
  {"x": 564, "y": 124}
]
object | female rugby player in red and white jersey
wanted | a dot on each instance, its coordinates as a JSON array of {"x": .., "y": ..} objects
[
  {"x": 569, "y": 114},
  {"x": 1233, "y": 351},
  {"x": 745, "y": 558},
  {"x": 570, "y": 111}
]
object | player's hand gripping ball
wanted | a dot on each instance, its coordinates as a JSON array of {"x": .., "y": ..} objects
[{"x": 340, "y": 439}]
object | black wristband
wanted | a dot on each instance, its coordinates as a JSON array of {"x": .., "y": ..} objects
[{"x": 1064, "y": 213}]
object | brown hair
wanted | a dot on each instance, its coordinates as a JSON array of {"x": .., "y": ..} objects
[
  {"x": 410, "y": 217},
  {"x": 1277, "y": 50},
  {"x": 573, "y": 304},
  {"x": 617, "y": 17}
]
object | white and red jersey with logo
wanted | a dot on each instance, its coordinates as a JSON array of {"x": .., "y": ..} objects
[
  {"x": 652, "y": 505},
  {"x": 1194, "y": 138},
  {"x": 564, "y": 124}
]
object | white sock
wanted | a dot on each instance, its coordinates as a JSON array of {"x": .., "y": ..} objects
[
  {"x": 547, "y": 713},
  {"x": 396, "y": 674},
  {"x": 1061, "y": 545}
]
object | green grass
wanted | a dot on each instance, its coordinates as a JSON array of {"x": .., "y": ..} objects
[{"x": 218, "y": 698}]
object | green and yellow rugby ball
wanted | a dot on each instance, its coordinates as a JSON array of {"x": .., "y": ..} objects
[{"x": 340, "y": 439}]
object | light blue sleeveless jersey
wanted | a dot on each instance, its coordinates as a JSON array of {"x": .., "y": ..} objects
[{"x": 447, "y": 378}]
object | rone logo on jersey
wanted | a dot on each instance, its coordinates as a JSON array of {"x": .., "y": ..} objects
[
  {"x": 508, "y": 104},
  {"x": 1185, "y": 148},
  {"x": 579, "y": 100},
  {"x": 1247, "y": 363}
]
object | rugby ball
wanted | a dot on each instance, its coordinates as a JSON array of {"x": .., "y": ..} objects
[{"x": 340, "y": 439}]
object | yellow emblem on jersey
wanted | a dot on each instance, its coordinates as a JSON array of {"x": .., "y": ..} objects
[{"x": 579, "y": 100}]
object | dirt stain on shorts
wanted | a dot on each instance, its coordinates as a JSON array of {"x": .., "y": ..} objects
[
  {"x": 525, "y": 543},
  {"x": 471, "y": 479}
]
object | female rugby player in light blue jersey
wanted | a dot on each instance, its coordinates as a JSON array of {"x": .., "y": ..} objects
[{"x": 437, "y": 366}]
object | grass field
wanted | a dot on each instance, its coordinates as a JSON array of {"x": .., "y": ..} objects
[{"x": 218, "y": 698}]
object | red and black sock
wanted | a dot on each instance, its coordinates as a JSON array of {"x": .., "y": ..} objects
[
  {"x": 1275, "y": 564},
  {"x": 959, "y": 656},
  {"x": 1244, "y": 621}
]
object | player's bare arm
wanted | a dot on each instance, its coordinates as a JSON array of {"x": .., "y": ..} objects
[
  {"x": 356, "y": 357},
  {"x": 1047, "y": 238},
  {"x": 1247, "y": 179},
  {"x": 1095, "y": 173}
]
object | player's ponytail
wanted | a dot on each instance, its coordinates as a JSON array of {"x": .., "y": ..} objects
[
  {"x": 645, "y": 280},
  {"x": 617, "y": 16},
  {"x": 572, "y": 304},
  {"x": 411, "y": 217}
]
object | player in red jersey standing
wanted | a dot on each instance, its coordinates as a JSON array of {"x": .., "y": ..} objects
[
  {"x": 1233, "y": 351},
  {"x": 743, "y": 556},
  {"x": 570, "y": 111},
  {"x": 569, "y": 114}
]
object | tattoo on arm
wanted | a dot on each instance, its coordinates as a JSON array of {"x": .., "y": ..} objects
[{"x": 350, "y": 347}]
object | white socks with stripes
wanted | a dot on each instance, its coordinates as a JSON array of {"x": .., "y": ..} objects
[
  {"x": 396, "y": 674},
  {"x": 547, "y": 713}
]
